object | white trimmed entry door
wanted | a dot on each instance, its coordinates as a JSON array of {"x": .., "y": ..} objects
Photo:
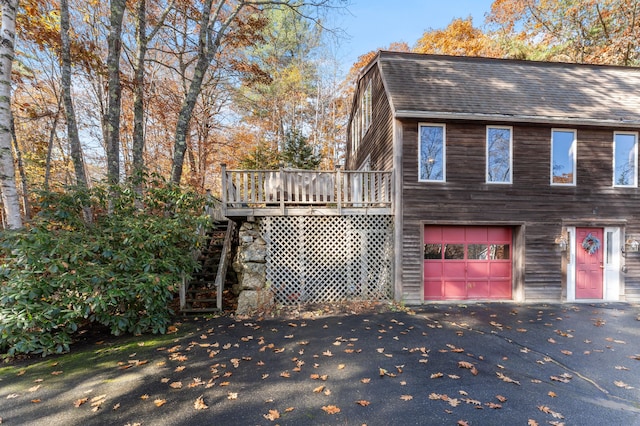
[
  {"x": 594, "y": 273},
  {"x": 467, "y": 262}
]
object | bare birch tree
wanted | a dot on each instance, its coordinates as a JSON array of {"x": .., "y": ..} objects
[{"x": 10, "y": 199}]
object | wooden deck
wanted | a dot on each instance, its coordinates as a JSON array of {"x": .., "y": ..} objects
[{"x": 305, "y": 192}]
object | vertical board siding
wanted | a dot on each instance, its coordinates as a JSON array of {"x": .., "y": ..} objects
[
  {"x": 530, "y": 200},
  {"x": 376, "y": 144}
]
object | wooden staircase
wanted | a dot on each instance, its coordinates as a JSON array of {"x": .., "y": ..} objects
[{"x": 203, "y": 292}]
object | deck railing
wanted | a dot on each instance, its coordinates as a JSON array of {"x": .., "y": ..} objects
[{"x": 262, "y": 191}]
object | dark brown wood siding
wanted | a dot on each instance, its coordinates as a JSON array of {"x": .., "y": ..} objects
[
  {"x": 377, "y": 143},
  {"x": 530, "y": 202}
]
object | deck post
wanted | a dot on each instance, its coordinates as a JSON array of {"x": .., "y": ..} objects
[
  {"x": 223, "y": 168},
  {"x": 339, "y": 188},
  {"x": 281, "y": 191}
]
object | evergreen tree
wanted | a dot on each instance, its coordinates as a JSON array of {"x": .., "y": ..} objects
[{"x": 298, "y": 153}]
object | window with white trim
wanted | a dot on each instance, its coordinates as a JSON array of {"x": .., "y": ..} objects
[
  {"x": 625, "y": 159},
  {"x": 499, "y": 157},
  {"x": 432, "y": 153},
  {"x": 362, "y": 118},
  {"x": 564, "y": 154}
]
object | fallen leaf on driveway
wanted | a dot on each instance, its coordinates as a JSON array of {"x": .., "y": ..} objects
[
  {"x": 622, "y": 384},
  {"x": 406, "y": 397},
  {"x": 160, "y": 402},
  {"x": 506, "y": 378},
  {"x": 363, "y": 402},
  {"x": 199, "y": 404},
  {"x": 331, "y": 409},
  {"x": 272, "y": 415},
  {"x": 469, "y": 366},
  {"x": 78, "y": 402},
  {"x": 548, "y": 410}
]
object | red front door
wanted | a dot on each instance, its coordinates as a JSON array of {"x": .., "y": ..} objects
[
  {"x": 467, "y": 262},
  {"x": 589, "y": 263}
]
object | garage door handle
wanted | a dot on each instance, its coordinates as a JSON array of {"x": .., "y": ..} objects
[{"x": 601, "y": 266}]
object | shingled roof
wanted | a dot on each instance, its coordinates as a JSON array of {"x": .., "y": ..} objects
[{"x": 441, "y": 87}]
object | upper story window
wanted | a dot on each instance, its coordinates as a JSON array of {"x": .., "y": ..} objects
[
  {"x": 362, "y": 118},
  {"x": 366, "y": 109},
  {"x": 625, "y": 159},
  {"x": 432, "y": 155},
  {"x": 564, "y": 152},
  {"x": 499, "y": 157}
]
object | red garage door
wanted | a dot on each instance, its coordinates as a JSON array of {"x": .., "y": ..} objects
[{"x": 467, "y": 262}]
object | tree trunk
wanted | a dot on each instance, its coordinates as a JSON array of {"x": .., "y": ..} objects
[
  {"x": 142, "y": 40},
  {"x": 10, "y": 198},
  {"x": 138, "y": 94},
  {"x": 114, "y": 91},
  {"x": 23, "y": 176},
  {"x": 207, "y": 49},
  {"x": 52, "y": 134},
  {"x": 70, "y": 115}
]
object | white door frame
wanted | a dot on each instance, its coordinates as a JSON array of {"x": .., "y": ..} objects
[{"x": 612, "y": 260}]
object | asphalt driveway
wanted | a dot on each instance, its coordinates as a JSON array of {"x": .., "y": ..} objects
[{"x": 476, "y": 364}]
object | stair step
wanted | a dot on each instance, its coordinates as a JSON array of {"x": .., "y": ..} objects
[
  {"x": 199, "y": 310},
  {"x": 201, "y": 300},
  {"x": 201, "y": 290}
]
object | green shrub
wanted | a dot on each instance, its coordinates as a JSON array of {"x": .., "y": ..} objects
[{"x": 120, "y": 271}]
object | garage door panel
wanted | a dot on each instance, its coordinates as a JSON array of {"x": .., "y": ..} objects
[
  {"x": 499, "y": 270},
  {"x": 478, "y": 289},
  {"x": 499, "y": 234},
  {"x": 453, "y": 269},
  {"x": 453, "y": 233},
  {"x": 500, "y": 289},
  {"x": 433, "y": 270},
  {"x": 433, "y": 290},
  {"x": 477, "y": 270},
  {"x": 476, "y": 234},
  {"x": 455, "y": 289}
]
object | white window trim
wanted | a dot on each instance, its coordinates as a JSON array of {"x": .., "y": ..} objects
[
  {"x": 575, "y": 157},
  {"x": 635, "y": 159},
  {"x": 444, "y": 151},
  {"x": 510, "y": 181}
]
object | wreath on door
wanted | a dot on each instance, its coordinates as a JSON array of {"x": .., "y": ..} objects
[{"x": 591, "y": 243}]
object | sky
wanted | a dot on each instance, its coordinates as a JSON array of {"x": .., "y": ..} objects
[{"x": 373, "y": 24}]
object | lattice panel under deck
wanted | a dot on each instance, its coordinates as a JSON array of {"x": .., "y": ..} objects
[{"x": 313, "y": 259}]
